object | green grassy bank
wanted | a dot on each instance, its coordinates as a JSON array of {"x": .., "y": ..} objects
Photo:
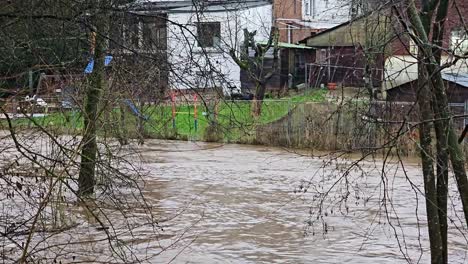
[{"x": 232, "y": 121}]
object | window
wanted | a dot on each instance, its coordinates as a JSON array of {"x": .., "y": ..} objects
[
  {"x": 208, "y": 34},
  {"x": 413, "y": 47},
  {"x": 310, "y": 8},
  {"x": 125, "y": 33},
  {"x": 154, "y": 34},
  {"x": 313, "y": 8},
  {"x": 116, "y": 33},
  {"x": 133, "y": 32},
  {"x": 459, "y": 41},
  {"x": 356, "y": 8},
  {"x": 290, "y": 34},
  {"x": 321, "y": 56}
]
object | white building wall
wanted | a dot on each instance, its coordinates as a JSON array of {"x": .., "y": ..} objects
[
  {"x": 323, "y": 14},
  {"x": 404, "y": 68},
  {"x": 186, "y": 58}
]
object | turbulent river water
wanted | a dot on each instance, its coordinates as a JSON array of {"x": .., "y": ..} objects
[{"x": 251, "y": 204}]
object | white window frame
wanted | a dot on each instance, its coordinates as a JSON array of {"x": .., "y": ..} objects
[
  {"x": 459, "y": 41},
  {"x": 216, "y": 40},
  {"x": 307, "y": 7},
  {"x": 412, "y": 46},
  {"x": 313, "y": 8}
]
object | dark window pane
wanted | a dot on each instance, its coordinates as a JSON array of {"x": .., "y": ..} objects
[{"x": 208, "y": 34}]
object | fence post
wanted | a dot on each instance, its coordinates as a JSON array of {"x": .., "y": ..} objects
[
  {"x": 195, "y": 113},
  {"x": 289, "y": 122},
  {"x": 465, "y": 112},
  {"x": 173, "y": 110}
]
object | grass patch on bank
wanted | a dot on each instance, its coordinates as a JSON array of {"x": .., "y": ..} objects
[
  {"x": 314, "y": 95},
  {"x": 231, "y": 119}
]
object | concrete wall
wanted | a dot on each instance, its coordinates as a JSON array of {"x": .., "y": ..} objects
[
  {"x": 186, "y": 58},
  {"x": 324, "y": 126}
]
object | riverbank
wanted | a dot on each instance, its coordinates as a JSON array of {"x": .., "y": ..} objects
[
  {"x": 185, "y": 120},
  {"x": 314, "y": 120}
]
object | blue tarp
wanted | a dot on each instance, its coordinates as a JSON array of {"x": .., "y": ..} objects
[{"x": 90, "y": 66}]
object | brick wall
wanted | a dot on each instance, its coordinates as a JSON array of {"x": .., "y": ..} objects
[
  {"x": 458, "y": 10},
  {"x": 287, "y": 15}
]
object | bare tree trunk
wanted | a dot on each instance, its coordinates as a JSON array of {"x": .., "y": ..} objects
[
  {"x": 255, "y": 66},
  {"x": 86, "y": 179},
  {"x": 140, "y": 124},
  {"x": 426, "y": 117},
  {"x": 456, "y": 155},
  {"x": 258, "y": 100},
  {"x": 123, "y": 131},
  {"x": 441, "y": 126},
  {"x": 458, "y": 163},
  {"x": 442, "y": 179},
  {"x": 430, "y": 191},
  {"x": 368, "y": 80}
]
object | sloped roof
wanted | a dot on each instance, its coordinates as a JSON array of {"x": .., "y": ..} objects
[
  {"x": 373, "y": 26},
  {"x": 360, "y": 31},
  {"x": 286, "y": 45},
  {"x": 188, "y": 6},
  {"x": 458, "y": 78},
  {"x": 145, "y": 5}
]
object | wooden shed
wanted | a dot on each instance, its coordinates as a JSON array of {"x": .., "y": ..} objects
[
  {"x": 349, "y": 52},
  {"x": 456, "y": 83},
  {"x": 292, "y": 62}
]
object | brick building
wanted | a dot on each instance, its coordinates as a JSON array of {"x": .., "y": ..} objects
[
  {"x": 299, "y": 19},
  {"x": 377, "y": 42}
]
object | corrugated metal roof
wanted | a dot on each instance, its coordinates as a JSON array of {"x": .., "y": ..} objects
[
  {"x": 286, "y": 45},
  {"x": 158, "y": 6},
  {"x": 185, "y": 6},
  {"x": 458, "y": 78},
  {"x": 221, "y": 6}
]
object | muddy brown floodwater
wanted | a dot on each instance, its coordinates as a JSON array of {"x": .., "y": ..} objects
[
  {"x": 245, "y": 204},
  {"x": 241, "y": 204}
]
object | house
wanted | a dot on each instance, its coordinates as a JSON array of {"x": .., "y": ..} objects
[
  {"x": 196, "y": 42},
  {"x": 401, "y": 67},
  {"x": 290, "y": 70},
  {"x": 202, "y": 39},
  {"x": 138, "y": 43},
  {"x": 381, "y": 48},
  {"x": 404, "y": 96},
  {"x": 343, "y": 56},
  {"x": 299, "y": 19},
  {"x": 185, "y": 45},
  {"x": 456, "y": 83}
]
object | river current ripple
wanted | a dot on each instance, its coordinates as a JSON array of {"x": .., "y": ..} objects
[{"x": 253, "y": 204}]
